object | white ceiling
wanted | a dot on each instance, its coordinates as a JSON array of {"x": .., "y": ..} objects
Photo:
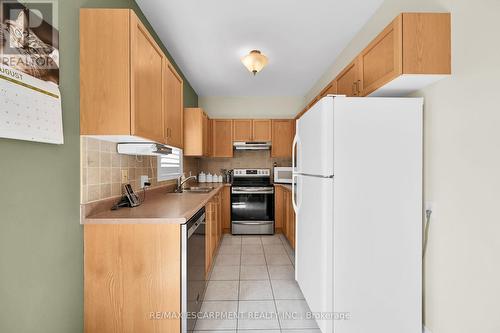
[{"x": 207, "y": 38}]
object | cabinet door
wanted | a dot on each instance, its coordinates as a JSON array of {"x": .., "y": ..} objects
[
  {"x": 348, "y": 81},
  {"x": 330, "y": 89},
  {"x": 104, "y": 72},
  {"x": 381, "y": 61},
  {"x": 173, "y": 107},
  {"x": 223, "y": 138},
  {"x": 226, "y": 209},
  {"x": 208, "y": 238},
  {"x": 205, "y": 134},
  {"x": 213, "y": 228},
  {"x": 278, "y": 207},
  {"x": 242, "y": 130},
  {"x": 193, "y": 132},
  {"x": 283, "y": 132},
  {"x": 146, "y": 83},
  {"x": 210, "y": 138},
  {"x": 261, "y": 130}
]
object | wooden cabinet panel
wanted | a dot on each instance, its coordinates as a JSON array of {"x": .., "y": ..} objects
[
  {"x": 381, "y": 60},
  {"x": 146, "y": 81},
  {"x": 104, "y": 40},
  {"x": 330, "y": 89},
  {"x": 131, "y": 270},
  {"x": 173, "y": 107},
  {"x": 348, "y": 81},
  {"x": 194, "y": 134},
  {"x": 261, "y": 131},
  {"x": 209, "y": 225},
  {"x": 226, "y": 209},
  {"x": 278, "y": 207},
  {"x": 288, "y": 218},
  {"x": 426, "y": 43},
  {"x": 242, "y": 130},
  {"x": 206, "y": 148},
  {"x": 210, "y": 138},
  {"x": 223, "y": 138},
  {"x": 283, "y": 132}
]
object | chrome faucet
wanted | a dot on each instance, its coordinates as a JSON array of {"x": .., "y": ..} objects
[{"x": 180, "y": 183}]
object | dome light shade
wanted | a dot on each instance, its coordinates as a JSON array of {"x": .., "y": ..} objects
[{"x": 255, "y": 61}]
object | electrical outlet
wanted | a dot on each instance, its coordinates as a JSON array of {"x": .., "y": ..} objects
[
  {"x": 144, "y": 179},
  {"x": 124, "y": 176}
]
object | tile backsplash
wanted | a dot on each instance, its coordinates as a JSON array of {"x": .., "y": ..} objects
[
  {"x": 243, "y": 159},
  {"x": 101, "y": 168}
]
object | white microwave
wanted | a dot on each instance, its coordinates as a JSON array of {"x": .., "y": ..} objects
[{"x": 283, "y": 175}]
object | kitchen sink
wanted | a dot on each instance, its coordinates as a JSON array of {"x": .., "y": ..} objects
[{"x": 198, "y": 189}]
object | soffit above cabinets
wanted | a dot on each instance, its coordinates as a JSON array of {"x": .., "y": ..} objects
[{"x": 301, "y": 39}]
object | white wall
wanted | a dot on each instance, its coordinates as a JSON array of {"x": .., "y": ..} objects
[
  {"x": 462, "y": 165},
  {"x": 251, "y": 107}
]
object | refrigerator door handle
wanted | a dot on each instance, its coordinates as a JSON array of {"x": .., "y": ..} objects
[
  {"x": 294, "y": 145},
  {"x": 294, "y": 192}
]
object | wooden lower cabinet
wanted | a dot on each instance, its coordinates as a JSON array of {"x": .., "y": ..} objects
[
  {"x": 131, "y": 271},
  {"x": 213, "y": 230},
  {"x": 226, "y": 209},
  {"x": 284, "y": 214}
]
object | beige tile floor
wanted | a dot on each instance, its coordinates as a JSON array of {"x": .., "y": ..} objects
[{"x": 254, "y": 277}]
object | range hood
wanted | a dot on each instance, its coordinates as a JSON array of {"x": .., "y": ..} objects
[
  {"x": 252, "y": 145},
  {"x": 143, "y": 148}
]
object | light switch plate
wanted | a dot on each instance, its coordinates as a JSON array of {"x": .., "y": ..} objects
[{"x": 124, "y": 176}]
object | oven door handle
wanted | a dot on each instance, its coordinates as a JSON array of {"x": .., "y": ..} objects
[
  {"x": 234, "y": 191},
  {"x": 252, "y": 190}
]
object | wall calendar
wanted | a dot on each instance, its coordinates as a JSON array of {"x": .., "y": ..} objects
[{"x": 30, "y": 101}]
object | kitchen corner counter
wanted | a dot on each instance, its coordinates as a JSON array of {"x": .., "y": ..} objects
[
  {"x": 160, "y": 207},
  {"x": 285, "y": 186}
]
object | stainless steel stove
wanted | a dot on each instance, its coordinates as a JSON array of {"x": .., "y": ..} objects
[{"x": 252, "y": 202}]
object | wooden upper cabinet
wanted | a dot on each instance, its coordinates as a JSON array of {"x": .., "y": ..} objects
[
  {"x": 147, "y": 79},
  {"x": 105, "y": 72},
  {"x": 222, "y": 137},
  {"x": 348, "y": 81},
  {"x": 330, "y": 89},
  {"x": 206, "y": 133},
  {"x": 261, "y": 130},
  {"x": 426, "y": 43},
  {"x": 283, "y": 132},
  {"x": 128, "y": 88},
  {"x": 196, "y": 132},
  {"x": 242, "y": 130},
  {"x": 173, "y": 107},
  {"x": 412, "y": 44},
  {"x": 392, "y": 65},
  {"x": 210, "y": 138},
  {"x": 382, "y": 59}
]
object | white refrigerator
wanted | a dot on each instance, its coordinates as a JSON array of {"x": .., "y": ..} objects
[{"x": 357, "y": 194}]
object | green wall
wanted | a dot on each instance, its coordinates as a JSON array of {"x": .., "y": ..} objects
[{"x": 41, "y": 240}]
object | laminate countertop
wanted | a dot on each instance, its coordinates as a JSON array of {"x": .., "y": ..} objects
[{"x": 159, "y": 207}]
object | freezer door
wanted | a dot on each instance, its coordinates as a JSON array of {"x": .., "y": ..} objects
[
  {"x": 313, "y": 250},
  {"x": 314, "y": 140}
]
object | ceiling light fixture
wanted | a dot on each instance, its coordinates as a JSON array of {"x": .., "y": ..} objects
[{"x": 255, "y": 61}]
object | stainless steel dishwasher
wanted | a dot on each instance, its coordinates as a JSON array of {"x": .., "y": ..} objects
[{"x": 193, "y": 283}]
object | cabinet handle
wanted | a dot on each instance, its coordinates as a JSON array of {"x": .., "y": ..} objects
[
  {"x": 358, "y": 84},
  {"x": 354, "y": 88}
]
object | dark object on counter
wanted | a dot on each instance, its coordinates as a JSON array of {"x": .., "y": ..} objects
[
  {"x": 130, "y": 199},
  {"x": 226, "y": 176}
]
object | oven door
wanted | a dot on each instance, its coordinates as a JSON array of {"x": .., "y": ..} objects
[{"x": 252, "y": 210}]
